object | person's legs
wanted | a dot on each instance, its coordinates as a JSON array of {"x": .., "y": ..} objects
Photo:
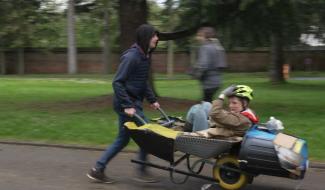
[
  {"x": 97, "y": 173},
  {"x": 208, "y": 94},
  {"x": 200, "y": 121},
  {"x": 120, "y": 142},
  {"x": 123, "y": 138},
  {"x": 190, "y": 116},
  {"x": 197, "y": 117},
  {"x": 142, "y": 173},
  {"x": 142, "y": 155}
]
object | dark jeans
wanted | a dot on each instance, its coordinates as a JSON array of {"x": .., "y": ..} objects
[
  {"x": 208, "y": 94},
  {"x": 121, "y": 141}
]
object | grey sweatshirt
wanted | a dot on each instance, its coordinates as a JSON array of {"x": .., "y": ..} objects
[{"x": 211, "y": 57}]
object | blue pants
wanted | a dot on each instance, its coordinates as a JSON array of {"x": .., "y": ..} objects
[
  {"x": 198, "y": 116},
  {"x": 121, "y": 141}
]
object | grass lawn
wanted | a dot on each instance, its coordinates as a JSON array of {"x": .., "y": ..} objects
[{"x": 69, "y": 109}]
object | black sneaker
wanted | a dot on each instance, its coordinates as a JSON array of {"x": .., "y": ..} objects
[
  {"x": 144, "y": 177},
  {"x": 99, "y": 176}
]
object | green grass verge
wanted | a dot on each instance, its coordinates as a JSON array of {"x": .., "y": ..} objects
[{"x": 32, "y": 107}]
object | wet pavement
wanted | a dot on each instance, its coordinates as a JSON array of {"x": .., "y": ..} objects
[{"x": 50, "y": 168}]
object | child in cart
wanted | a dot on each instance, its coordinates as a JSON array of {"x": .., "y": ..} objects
[{"x": 220, "y": 122}]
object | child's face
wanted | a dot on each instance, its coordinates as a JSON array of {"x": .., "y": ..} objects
[{"x": 235, "y": 105}]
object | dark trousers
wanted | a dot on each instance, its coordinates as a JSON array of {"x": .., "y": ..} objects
[
  {"x": 208, "y": 94},
  {"x": 121, "y": 141}
]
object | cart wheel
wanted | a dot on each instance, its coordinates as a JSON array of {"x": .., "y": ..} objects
[{"x": 230, "y": 180}]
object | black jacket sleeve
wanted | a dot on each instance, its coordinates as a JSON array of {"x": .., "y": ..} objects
[
  {"x": 119, "y": 82},
  {"x": 150, "y": 96}
]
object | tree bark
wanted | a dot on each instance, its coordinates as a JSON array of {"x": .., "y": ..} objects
[
  {"x": 21, "y": 61},
  {"x": 132, "y": 13},
  {"x": 106, "y": 46},
  {"x": 277, "y": 58},
  {"x": 151, "y": 82},
  {"x": 72, "y": 55},
  {"x": 2, "y": 62},
  {"x": 170, "y": 59}
]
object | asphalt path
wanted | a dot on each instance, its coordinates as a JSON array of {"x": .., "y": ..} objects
[{"x": 50, "y": 168}]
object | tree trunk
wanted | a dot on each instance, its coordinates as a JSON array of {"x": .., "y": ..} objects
[
  {"x": 170, "y": 59},
  {"x": 106, "y": 46},
  {"x": 277, "y": 58},
  {"x": 132, "y": 13},
  {"x": 2, "y": 62},
  {"x": 192, "y": 56},
  {"x": 151, "y": 82},
  {"x": 21, "y": 61},
  {"x": 72, "y": 55}
]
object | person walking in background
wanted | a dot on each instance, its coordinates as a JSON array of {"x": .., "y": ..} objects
[
  {"x": 210, "y": 60},
  {"x": 130, "y": 88}
]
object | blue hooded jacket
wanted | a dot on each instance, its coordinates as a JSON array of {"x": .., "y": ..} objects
[{"x": 131, "y": 80}]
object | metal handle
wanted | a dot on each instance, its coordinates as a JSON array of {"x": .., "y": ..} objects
[
  {"x": 168, "y": 123},
  {"x": 164, "y": 114},
  {"x": 140, "y": 118}
]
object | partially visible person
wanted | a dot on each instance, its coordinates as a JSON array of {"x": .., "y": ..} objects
[
  {"x": 211, "y": 60},
  {"x": 234, "y": 121},
  {"x": 131, "y": 87},
  {"x": 197, "y": 117}
]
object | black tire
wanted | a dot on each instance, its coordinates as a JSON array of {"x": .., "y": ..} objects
[{"x": 229, "y": 180}]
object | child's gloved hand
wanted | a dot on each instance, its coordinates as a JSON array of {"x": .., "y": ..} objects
[{"x": 227, "y": 92}]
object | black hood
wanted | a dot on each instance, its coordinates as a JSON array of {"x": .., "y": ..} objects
[{"x": 144, "y": 33}]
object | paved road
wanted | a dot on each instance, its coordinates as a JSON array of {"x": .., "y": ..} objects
[{"x": 48, "y": 168}]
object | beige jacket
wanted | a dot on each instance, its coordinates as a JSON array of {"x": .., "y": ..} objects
[{"x": 225, "y": 123}]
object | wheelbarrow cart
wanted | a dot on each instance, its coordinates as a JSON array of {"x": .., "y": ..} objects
[{"x": 235, "y": 162}]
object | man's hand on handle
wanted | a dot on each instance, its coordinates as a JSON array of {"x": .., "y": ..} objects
[
  {"x": 155, "y": 105},
  {"x": 130, "y": 111}
]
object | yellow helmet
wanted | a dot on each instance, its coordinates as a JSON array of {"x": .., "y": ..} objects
[{"x": 243, "y": 91}]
